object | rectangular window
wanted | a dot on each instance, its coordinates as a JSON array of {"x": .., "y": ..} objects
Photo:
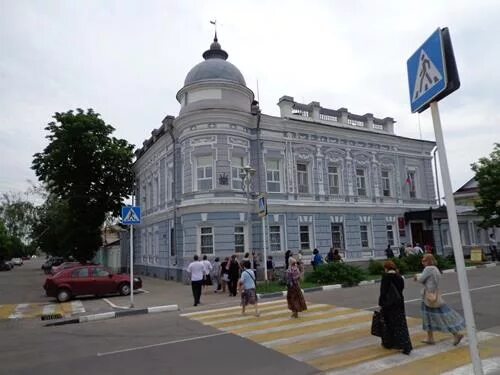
[
  {"x": 204, "y": 173},
  {"x": 172, "y": 242},
  {"x": 170, "y": 183},
  {"x": 239, "y": 239},
  {"x": 206, "y": 240},
  {"x": 411, "y": 182},
  {"x": 273, "y": 176},
  {"x": 275, "y": 237},
  {"x": 237, "y": 164},
  {"x": 333, "y": 179},
  {"x": 365, "y": 242},
  {"x": 302, "y": 179},
  {"x": 305, "y": 243},
  {"x": 337, "y": 236},
  {"x": 390, "y": 234},
  {"x": 361, "y": 182},
  {"x": 386, "y": 184}
]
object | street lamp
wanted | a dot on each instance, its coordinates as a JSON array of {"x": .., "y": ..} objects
[{"x": 246, "y": 179}]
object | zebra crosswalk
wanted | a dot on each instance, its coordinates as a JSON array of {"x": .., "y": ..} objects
[
  {"x": 35, "y": 310},
  {"x": 336, "y": 340}
]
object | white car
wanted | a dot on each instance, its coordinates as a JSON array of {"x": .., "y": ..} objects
[{"x": 17, "y": 261}]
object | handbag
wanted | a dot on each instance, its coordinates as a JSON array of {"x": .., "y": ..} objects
[
  {"x": 433, "y": 299},
  {"x": 378, "y": 324}
]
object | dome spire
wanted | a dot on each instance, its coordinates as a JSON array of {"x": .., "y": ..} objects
[{"x": 215, "y": 51}]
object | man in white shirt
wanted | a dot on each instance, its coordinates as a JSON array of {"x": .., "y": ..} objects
[
  {"x": 196, "y": 270},
  {"x": 417, "y": 250}
]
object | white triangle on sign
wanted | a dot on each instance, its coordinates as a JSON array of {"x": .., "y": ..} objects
[
  {"x": 131, "y": 217},
  {"x": 427, "y": 76}
]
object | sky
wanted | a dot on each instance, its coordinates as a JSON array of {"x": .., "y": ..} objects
[{"x": 127, "y": 59}]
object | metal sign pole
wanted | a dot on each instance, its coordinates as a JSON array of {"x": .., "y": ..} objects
[
  {"x": 132, "y": 261},
  {"x": 457, "y": 245},
  {"x": 265, "y": 246}
]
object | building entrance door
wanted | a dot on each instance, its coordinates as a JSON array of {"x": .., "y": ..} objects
[{"x": 417, "y": 233}]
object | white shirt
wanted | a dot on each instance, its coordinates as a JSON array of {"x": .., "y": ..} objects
[
  {"x": 417, "y": 250},
  {"x": 207, "y": 267},
  {"x": 196, "y": 269}
]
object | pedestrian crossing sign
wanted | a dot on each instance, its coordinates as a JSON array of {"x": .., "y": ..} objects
[
  {"x": 427, "y": 76},
  {"x": 131, "y": 215}
]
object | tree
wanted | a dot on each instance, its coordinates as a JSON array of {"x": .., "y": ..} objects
[
  {"x": 488, "y": 177},
  {"x": 18, "y": 216},
  {"x": 89, "y": 170},
  {"x": 4, "y": 242}
]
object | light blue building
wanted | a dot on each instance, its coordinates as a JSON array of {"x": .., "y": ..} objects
[{"x": 332, "y": 178}]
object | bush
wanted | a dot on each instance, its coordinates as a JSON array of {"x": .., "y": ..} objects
[
  {"x": 401, "y": 265},
  {"x": 375, "y": 267},
  {"x": 414, "y": 263},
  {"x": 444, "y": 263},
  {"x": 336, "y": 273}
]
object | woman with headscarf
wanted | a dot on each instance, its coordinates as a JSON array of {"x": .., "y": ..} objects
[
  {"x": 294, "y": 296},
  {"x": 437, "y": 315}
]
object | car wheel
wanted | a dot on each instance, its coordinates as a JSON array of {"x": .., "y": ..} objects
[
  {"x": 63, "y": 295},
  {"x": 124, "y": 289}
]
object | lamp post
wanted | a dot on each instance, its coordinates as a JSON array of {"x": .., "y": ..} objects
[{"x": 246, "y": 178}]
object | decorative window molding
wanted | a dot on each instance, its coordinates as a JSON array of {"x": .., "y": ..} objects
[
  {"x": 365, "y": 219},
  {"x": 336, "y": 219},
  {"x": 305, "y": 219}
]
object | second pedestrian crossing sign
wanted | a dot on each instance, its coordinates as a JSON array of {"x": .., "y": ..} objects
[{"x": 131, "y": 215}]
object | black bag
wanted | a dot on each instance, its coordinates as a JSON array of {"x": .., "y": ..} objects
[
  {"x": 377, "y": 324},
  {"x": 393, "y": 297}
]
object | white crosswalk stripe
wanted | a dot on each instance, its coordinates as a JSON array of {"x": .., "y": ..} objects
[
  {"x": 336, "y": 340},
  {"x": 36, "y": 310}
]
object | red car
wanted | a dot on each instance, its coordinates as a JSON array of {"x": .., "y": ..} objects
[{"x": 88, "y": 280}]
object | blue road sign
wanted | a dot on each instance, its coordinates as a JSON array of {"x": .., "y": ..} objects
[
  {"x": 131, "y": 215},
  {"x": 427, "y": 72}
]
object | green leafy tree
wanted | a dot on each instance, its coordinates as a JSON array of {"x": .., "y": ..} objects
[
  {"x": 4, "y": 242},
  {"x": 488, "y": 177},
  {"x": 90, "y": 171}
]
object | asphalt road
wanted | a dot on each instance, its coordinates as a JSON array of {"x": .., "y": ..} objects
[{"x": 167, "y": 343}]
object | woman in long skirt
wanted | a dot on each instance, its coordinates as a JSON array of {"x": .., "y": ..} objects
[
  {"x": 395, "y": 334},
  {"x": 294, "y": 296},
  {"x": 437, "y": 315}
]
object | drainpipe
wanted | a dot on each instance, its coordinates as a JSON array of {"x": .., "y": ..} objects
[
  {"x": 437, "y": 179},
  {"x": 255, "y": 110},
  {"x": 168, "y": 122}
]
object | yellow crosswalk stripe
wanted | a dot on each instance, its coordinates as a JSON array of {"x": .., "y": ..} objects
[
  {"x": 337, "y": 340},
  {"x": 35, "y": 310}
]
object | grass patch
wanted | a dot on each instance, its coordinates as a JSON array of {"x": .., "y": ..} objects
[{"x": 276, "y": 286}]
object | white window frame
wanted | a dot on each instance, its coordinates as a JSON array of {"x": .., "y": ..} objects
[
  {"x": 391, "y": 230},
  {"x": 386, "y": 181},
  {"x": 412, "y": 193},
  {"x": 310, "y": 236},
  {"x": 236, "y": 172},
  {"x": 273, "y": 173},
  {"x": 237, "y": 234},
  {"x": 368, "y": 235},
  {"x": 280, "y": 236},
  {"x": 201, "y": 235},
  {"x": 205, "y": 167},
  {"x": 342, "y": 235},
  {"x": 305, "y": 173},
  {"x": 331, "y": 176},
  {"x": 361, "y": 182}
]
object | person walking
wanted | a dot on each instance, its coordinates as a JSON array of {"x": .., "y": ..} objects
[
  {"x": 409, "y": 250},
  {"x": 417, "y": 250},
  {"x": 224, "y": 274},
  {"x": 216, "y": 275},
  {"x": 196, "y": 271},
  {"x": 336, "y": 257},
  {"x": 270, "y": 268},
  {"x": 493, "y": 248},
  {"x": 207, "y": 280},
  {"x": 247, "y": 287},
  {"x": 437, "y": 315},
  {"x": 388, "y": 252},
  {"x": 391, "y": 300},
  {"x": 317, "y": 259},
  {"x": 329, "y": 256},
  {"x": 288, "y": 254},
  {"x": 234, "y": 275},
  {"x": 294, "y": 296}
]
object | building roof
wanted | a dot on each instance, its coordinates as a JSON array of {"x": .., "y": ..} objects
[{"x": 215, "y": 67}]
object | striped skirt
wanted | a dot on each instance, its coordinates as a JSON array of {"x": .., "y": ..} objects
[{"x": 442, "y": 319}]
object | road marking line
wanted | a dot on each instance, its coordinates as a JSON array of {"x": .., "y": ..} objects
[
  {"x": 490, "y": 366},
  {"x": 115, "y": 306},
  {"x": 49, "y": 309},
  {"x": 390, "y": 362},
  {"x": 207, "y": 312},
  {"x": 162, "y": 344},
  {"x": 77, "y": 307},
  {"x": 19, "y": 311}
]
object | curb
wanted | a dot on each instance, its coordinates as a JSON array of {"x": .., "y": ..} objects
[
  {"x": 113, "y": 314},
  {"x": 362, "y": 283}
]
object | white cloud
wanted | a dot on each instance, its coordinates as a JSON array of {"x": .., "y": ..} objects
[{"x": 127, "y": 60}]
